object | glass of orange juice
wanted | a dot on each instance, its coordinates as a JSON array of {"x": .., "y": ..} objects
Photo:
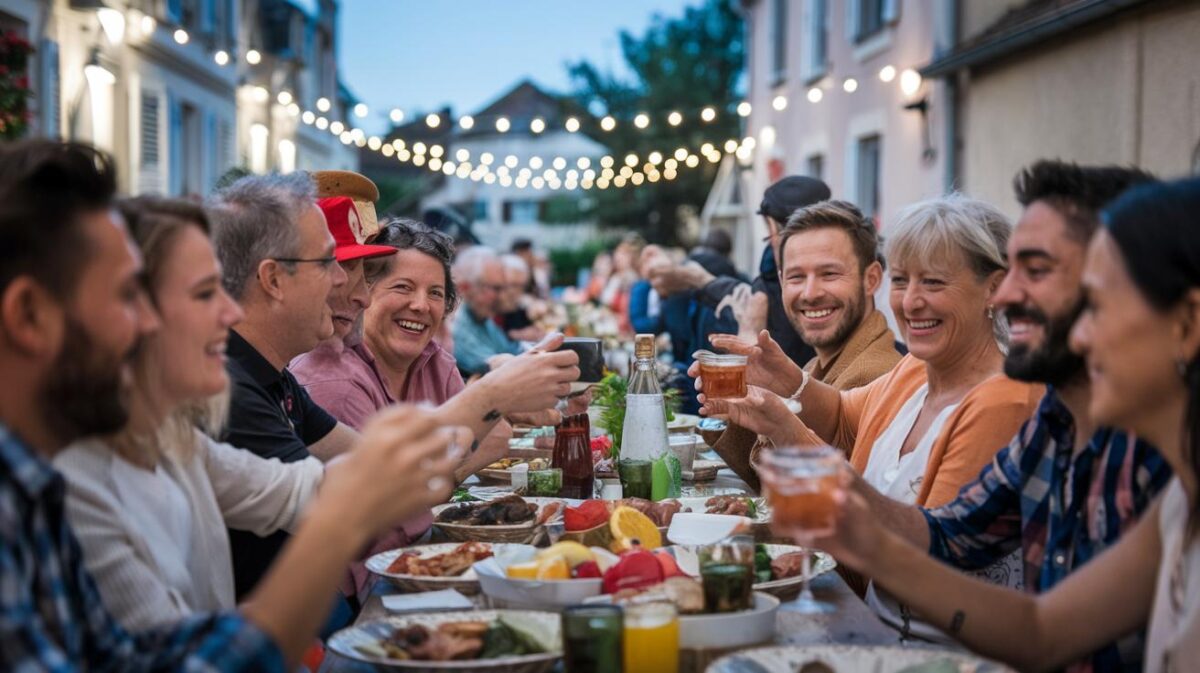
[
  {"x": 651, "y": 637},
  {"x": 800, "y": 485}
]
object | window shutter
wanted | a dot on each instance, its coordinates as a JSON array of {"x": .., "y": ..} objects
[
  {"x": 50, "y": 90},
  {"x": 225, "y": 146},
  {"x": 208, "y": 16},
  {"x": 175, "y": 149},
  {"x": 852, "y": 10},
  {"x": 149, "y": 146},
  {"x": 212, "y": 150},
  {"x": 508, "y": 211},
  {"x": 891, "y": 10}
]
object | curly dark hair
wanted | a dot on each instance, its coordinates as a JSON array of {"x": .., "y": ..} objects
[
  {"x": 1077, "y": 192},
  {"x": 405, "y": 234}
]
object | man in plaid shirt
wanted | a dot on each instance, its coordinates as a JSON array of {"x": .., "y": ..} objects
[
  {"x": 1063, "y": 490},
  {"x": 72, "y": 312}
]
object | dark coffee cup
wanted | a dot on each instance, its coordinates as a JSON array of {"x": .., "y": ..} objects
[{"x": 591, "y": 357}]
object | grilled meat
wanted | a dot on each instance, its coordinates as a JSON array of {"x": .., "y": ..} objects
[
  {"x": 511, "y": 509},
  {"x": 450, "y": 564},
  {"x": 737, "y": 505}
]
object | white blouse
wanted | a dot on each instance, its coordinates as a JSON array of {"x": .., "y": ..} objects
[
  {"x": 900, "y": 478},
  {"x": 156, "y": 542},
  {"x": 1173, "y": 640}
]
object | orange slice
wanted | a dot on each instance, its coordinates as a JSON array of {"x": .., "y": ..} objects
[
  {"x": 523, "y": 571},
  {"x": 628, "y": 524}
]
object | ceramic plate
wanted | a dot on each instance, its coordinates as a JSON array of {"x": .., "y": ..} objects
[
  {"x": 347, "y": 642},
  {"x": 853, "y": 659},
  {"x": 466, "y": 583}
]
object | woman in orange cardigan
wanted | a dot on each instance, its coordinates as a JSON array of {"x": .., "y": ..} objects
[{"x": 925, "y": 429}]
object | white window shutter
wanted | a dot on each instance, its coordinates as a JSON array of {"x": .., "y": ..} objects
[
  {"x": 891, "y": 10},
  {"x": 149, "y": 145},
  {"x": 175, "y": 148}
]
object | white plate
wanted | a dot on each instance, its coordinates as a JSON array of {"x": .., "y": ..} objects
[
  {"x": 725, "y": 629},
  {"x": 850, "y": 659},
  {"x": 546, "y": 594},
  {"x": 696, "y": 504},
  {"x": 468, "y": 582},
  {"x": 787, "y": 587},
  {"x": 344, "y": 642}
]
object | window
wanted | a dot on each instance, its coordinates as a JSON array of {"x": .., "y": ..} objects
[
  {"x": 480, "y": 210},
  {"x": 50, "y": 87},
  {"x": 866, "y": 18},
  {"x": 867, "y": 163},
  {"x": 522, "y": 211},
  {"x": 816, "y": 43},
  {"x": 778, "y": 41},
  {"x": 815, "y": 165}
]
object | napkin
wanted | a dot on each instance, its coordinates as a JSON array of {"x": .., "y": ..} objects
[{"x": 446, "y": 599}]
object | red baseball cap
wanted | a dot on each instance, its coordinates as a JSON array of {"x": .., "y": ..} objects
[{"x": 346, "y": 228}]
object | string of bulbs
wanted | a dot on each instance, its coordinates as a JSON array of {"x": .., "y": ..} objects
[{"x": 578, "y": 172}]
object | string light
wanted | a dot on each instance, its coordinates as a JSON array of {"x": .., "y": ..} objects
[
  {"x": 780, "y": 103},
  {"x": 887, "y": 73},
  {"x": 502, "y": 124},
  {"x": 708, "y": 114},
  {"x": 608, "y": 123},
  {"x": 361, "y": 110},
  {"x": 284, "y": 97},
  {"x": 432, "y": 120},
  {"x": 181, "y": 36},
  {"x": 910, "y": 81},
  {"x": 221, "y": 57},
  {"x": 323, "y": 104},
  {"x": 253, "y": 57},
  {"x": 537, "y": 125},
  {"x": 572, "y": 124},
  {"x": 467, "y": 122},
  {"x": 397, "y": 115},
  {"x": 815, "y": 95},
  {"x": 744, "y": 108},
  {"x": 642, "y": 120},
  {"x": 850, "y": 85},
  {"x": 675, "y": 118}
]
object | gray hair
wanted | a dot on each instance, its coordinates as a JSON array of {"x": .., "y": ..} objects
[
  {"x": 255, "y": 219},
  {"x": 469, "y": 265},
  {"x": 515, "y": 263},
  {"x": 932, "y": 233}
]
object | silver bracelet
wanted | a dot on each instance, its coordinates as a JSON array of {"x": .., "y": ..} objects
[{"x": 797, "y": 406}]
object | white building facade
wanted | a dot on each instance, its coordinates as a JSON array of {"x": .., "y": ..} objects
[{"x": 168, "y": 88}]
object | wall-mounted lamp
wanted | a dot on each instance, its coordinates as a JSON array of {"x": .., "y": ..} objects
[{"x": 921, "y": 105}]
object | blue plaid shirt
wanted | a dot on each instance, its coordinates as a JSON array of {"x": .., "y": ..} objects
[
  {"x": 1060, "y": 506},
  {"x": 51, "y": 616}
]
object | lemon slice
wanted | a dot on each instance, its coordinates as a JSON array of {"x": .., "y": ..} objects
[
  {"x": 553, "y": 568},
  {"x": 523, "y": 571},
  {"x": 574, "y": 552}
]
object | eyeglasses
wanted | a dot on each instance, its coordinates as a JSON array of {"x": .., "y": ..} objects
[{"x": 325, "y": 263}]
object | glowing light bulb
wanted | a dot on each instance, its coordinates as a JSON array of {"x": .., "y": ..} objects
[
  {"x": 675, "y": 118},
  {"x": 608, "y": 123},
  {"x": 361, "y": 110},
  {"x": 323, "y": 104},
  {"x": 432, "y": 120},
  {"x": 780, "y": 103},
  {"x": 910, "y": 81},
  {"x": 181, "y": 36},
  {"x": 815, "y": 95},
  {"x": 397, "y": 115},
  {"x": 221, "y": 57},
  {"x": 744, "y": 108},
  {"x": 503, "y": 125},
  {"x": 708, "y": 114},
  {"x": 467, "y": 122},
  {"x": 537, "y": 125},
  {"x": 253, "y": 57},
  {"x": 572, "y": 125},
  {"x": 887, "y": 73},
  {"x": 642, "y": 120},
  {"x": 850, "y": 85}
]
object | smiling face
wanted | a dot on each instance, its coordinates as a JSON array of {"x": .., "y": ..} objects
[
  {"x": 1130, "y": 347},
  {"x": 348, "y": 301},
  {"x": 407, "y": 306},
  {"x": 306, "y": 289},
  {"x": 942, "y": 311},
  {"x": 825, "y": 292},
  {"x": 188, "y": 351},
  {"x": 1041, "y": 297}
]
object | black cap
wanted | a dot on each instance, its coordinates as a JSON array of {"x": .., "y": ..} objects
[{"x": 790, "y": 194}]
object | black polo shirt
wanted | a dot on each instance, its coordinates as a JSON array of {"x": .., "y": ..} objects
[{"x": 271, "y": 415}]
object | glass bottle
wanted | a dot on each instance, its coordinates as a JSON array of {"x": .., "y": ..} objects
[
  {"x": 573, "y": 455},
  {"x": 647, "y": 467}
]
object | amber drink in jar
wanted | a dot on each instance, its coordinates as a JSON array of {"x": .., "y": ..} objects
[{"x": 724, "y": 376}]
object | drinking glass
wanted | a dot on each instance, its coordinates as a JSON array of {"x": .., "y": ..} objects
[
  {"x": 727, "y": 574},
  {"x": 800, "y": 485},
  {"x": 651, "y": 637},
  {"x": 593, "y": 637},
  {"x": 724, "y": 377}
]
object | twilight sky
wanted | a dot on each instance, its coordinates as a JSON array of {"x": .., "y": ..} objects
[{"x": 421, "y": 54}]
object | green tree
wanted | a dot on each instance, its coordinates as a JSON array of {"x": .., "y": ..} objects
[{"x": 682, "y": 63}]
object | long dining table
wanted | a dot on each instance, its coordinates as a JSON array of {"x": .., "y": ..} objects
[{"x": 851, "y": 622}]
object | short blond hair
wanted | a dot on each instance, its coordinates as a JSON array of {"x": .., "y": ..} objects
[{"x": 952, "y": 227}]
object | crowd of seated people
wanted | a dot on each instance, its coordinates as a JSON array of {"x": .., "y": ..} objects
[{"x": 212, "y": 411}]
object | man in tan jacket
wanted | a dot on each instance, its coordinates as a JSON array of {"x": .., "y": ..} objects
[{"x": 831, "y": 268}]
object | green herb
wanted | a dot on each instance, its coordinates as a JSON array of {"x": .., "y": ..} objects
[
  {"x": 463, "y": 495},
  {"x": 762, "y": 563},
  {"x": 500, "y": 641},
  {"x": 752, "y": 508}
]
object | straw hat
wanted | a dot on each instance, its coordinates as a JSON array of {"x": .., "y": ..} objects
[{"x": 358, "y": 188}]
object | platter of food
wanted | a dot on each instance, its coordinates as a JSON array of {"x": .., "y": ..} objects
[
  {"x": 853, "y": 658},
  {"x": 500, "y": 472},
  {"x": 509, "y": 518},
  {"x": 495, "y": 641},
  {"x": 434, "y": 567}
]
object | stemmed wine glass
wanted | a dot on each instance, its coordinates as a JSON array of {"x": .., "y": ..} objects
[{"x": 800, "y": 485}]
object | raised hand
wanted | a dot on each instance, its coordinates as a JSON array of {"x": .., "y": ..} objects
[
  {"x": 767, "y": 365},
  {"x": 855, "y": 539},
  {"x": 535, "y": 380},
  {"x": 760, "y": 411}
]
